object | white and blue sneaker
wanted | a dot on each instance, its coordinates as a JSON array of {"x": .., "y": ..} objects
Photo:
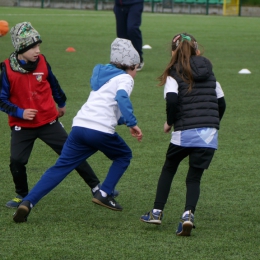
[
  {"x": 153, "y": 217},
  {"x": 186, "y": 224},
  {"x": 140, "y": 66}
]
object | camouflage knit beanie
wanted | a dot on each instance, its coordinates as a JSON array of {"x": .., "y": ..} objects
[
  {"x": 24, "y": 37},
  {"x": 123, "y": 52}
]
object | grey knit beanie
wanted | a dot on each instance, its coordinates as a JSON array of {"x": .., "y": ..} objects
[
  {"x": 24, "y": 37},
  {"x": 123, "y": 52}
]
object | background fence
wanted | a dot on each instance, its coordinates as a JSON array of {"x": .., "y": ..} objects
[{"x": 208, "y": 7}]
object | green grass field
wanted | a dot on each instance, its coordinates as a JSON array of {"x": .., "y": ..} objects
[{"x": 66, "y": 224}]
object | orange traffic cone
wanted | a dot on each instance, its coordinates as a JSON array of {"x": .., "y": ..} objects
[{"x": 70, "y": 49}]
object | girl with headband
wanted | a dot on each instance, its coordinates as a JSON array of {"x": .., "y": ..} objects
[{"x": 195, "y": 105}]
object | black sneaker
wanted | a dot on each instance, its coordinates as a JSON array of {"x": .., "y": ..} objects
[
  {"x": 22, "y": 212},
  {"x": 107, "y": 202}
]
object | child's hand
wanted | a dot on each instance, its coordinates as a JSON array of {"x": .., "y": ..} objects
[
  {"x": 136, "y": 132},
  {"x": 29, "y": 114},
  {"x": 167, "y": 128},
  {"x": 61, "y": 111}
]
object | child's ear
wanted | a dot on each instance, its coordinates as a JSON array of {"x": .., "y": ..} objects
[{"x": 198, "y": 52}]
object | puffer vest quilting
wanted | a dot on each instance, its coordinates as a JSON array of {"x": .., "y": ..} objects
[{"x": 199, "y": 107}]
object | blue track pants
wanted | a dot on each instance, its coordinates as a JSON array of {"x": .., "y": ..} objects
[{"x": 81, "y": 144}]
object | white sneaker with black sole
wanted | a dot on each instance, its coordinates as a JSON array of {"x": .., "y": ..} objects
[{"x": 140, "y": 66}]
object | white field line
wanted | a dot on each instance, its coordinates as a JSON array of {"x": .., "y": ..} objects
[{"x": 87, "y": 14}]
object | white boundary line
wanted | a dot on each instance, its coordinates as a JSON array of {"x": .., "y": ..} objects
[{"x": 98, "y": 13}]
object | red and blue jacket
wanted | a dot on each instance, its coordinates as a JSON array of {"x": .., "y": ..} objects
[{"x": 38, "y": 90}]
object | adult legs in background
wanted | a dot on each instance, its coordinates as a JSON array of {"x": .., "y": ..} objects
[
  {"x": 133, "y": 27},
  {"x": 128, "y": 22}
]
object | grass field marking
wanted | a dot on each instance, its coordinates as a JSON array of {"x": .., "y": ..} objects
[
  {"x": 108, "y": 14},
  {"x": 89, "y": 14},
  {"x": 56, "y": 15}
]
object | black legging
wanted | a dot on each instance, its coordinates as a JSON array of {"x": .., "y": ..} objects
[{"x": 164, "y": 184}]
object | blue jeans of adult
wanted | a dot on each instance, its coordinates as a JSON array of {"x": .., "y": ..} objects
[
  {"x": 128, "y": 22},
  {"x": 80, "y": 145}
]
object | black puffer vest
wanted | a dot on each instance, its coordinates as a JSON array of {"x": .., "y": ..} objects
[{"x": 198, "y": 108}]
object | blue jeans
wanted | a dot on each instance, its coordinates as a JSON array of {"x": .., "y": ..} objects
[{"x": 80, "y": 145}]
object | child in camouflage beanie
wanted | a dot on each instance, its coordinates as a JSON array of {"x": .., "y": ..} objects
[
  {"x": 24, "y": 37},
  {"x": 29, "y": 91}
]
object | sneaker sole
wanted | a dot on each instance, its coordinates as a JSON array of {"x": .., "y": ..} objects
[
  {"x": 104, "y": 205},
  {"x": 21, "y": 214},
  {"x": 186, "y": 228},
  {"x": 156, "y": 222}
]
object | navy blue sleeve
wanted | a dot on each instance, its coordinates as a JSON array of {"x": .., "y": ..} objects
[
  {"x": 57, "y": 92},
  {"x": 5, "y": 105},
  {"x": 171, "y": 107},
  {"x": 126, "y": 108}
]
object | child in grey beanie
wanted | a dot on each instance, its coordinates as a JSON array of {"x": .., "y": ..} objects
[
  {"x": 93, "y": 129},
  {"x": 123, "y": 52}
]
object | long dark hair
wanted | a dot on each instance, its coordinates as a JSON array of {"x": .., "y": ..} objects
[{"x": 184, "y": 45}]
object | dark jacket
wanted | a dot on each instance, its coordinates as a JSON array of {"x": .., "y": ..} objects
[
  {"x": 198, "y": 108},
  {"x": 127, "y": 2}
]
